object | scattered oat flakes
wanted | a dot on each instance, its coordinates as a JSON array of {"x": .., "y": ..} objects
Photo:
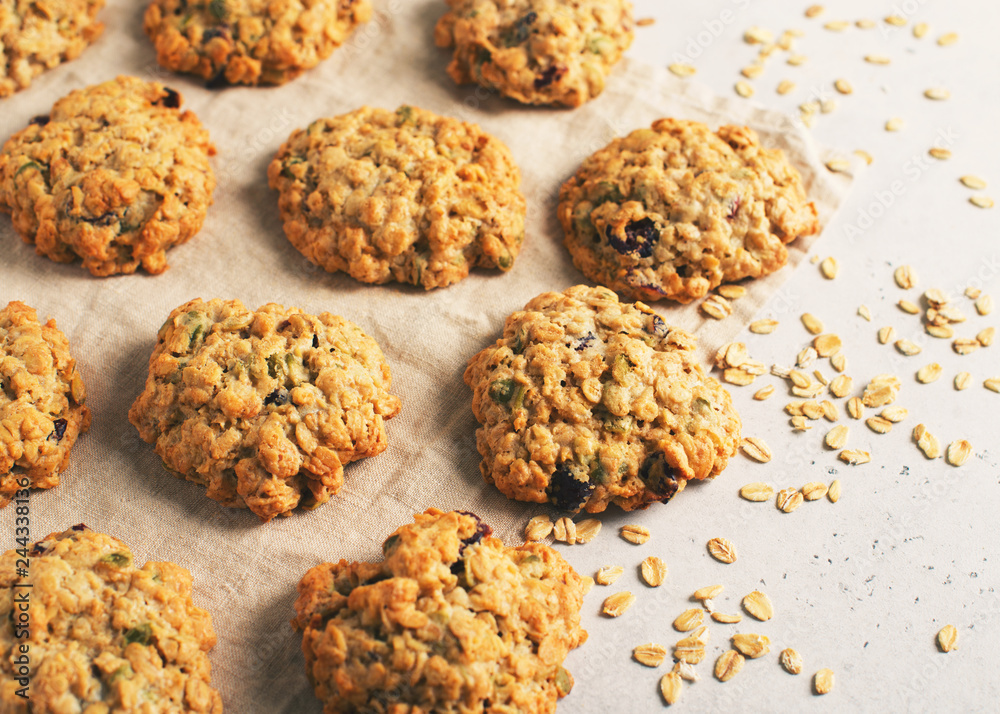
[
  {"x": 993, "y": 384},
  {"x": 948, "y": 38},
  {"x": 864, "y": 312},
  {"x": 812, "y": 323},
  {"x": 987, "y": 336},
  {"x": 814, "y": 490},
  {"x": 654, "y": 571},
  {"x": 829, "y": 268},
  {"x": 681, "y": 69},
  {"x": 894, "y": 414},
  {"x": 827, "y": 344},
  {"x": 806, "y": 357},
  {"x": 907, "y": 347},
  {"x": 671, "y": 687},
  {"x": 751, "y": 645},
  {"x": 939, "y": 153},
  {"x": 758, "y": 36},
  {"x": 935, "y": 297},
  {"x": 973, "y": 182},
  {"x": 707, "y": 593},
  {"x": 855, "y": 457},
  {"x": 947, "y": 638},
  {"x": 981, "y": 201},
  {"x": 728, "y": 665},
  {"x": 838, "y": 361},
  {"x": 731, "y": 292},
  {"x": 757, "y": 491},
  {"x": 881, "y": 390},
  {"x": 615, "y": 605},
  {"x": 877, "y": 59},
  {"x": 937, "y": 93},
  {"x": 962, "y": 380},
  {"x": 785, "y": 86},
  {"x": 865, "y": 24},
  {"x": 800, "y": 379},
  {"x": 690, "y": 619},
  {"x": 958, "y": 452},
  {"x": 799, "y": 423},
  {"x": 894, "y": 124},
  {"x": 830, "y": 411},
  {"x": 896, "y": 20},
  {"x": 836, "y": 25},
  {"x": 608, "y": 574},
  {"x": 920, "y": 29},
  {"x": 752, "y": 71},
  {"x": 722, "y": 550},
  {"x": 905, "y": 276},
  {"x": 836, "y": 438},
  {"x": 964, "y": 346},
  {"x": 812, "y": 410},
  {"x": 868, "y": 158},
  {"x": 838, "y": 165},
  {"x": 587, "y": 530},
  {"x": 841, "y": 386},
  {"x": 814, "y": 10},
  {"x": 744, "y": 89},
  {"x": 716, "y": 307},
  {"x": 984, "y": 304},
  {"x": 879, "y": 425},
  {"x": 942, "y": 332},
  {"x": 834, "y": 493},
  {"x": 823, "y": 681},
  {"x": 764, "y": 393},
  {"x": 885, "y": 334},
  {"x": 927, "y": 442},
  {"x": 791, "y": 661},
  {"x": 726, "y": 619},
  {"x": 754, "y": 367},
  {"x": 855, "y": 407},
  {"x": 908, "y": 307},
  {"x": 797, "y": 60},
  {"x": 565, "y": 531},
  {"x": 759, "y": 605},
  {"x": 635, "y": 534},
  {"x": 538, "y": 528},
  {"x": 929, "y": 373},
  {"x": 756, "y": 449},
  {"x": 645, "y": 21},
  {"x": 690, "y": 650},
  {"x": 739, "y": 377},
  {"x": 651, "y": 654},
  {"x": 843, "y": 86},
  {"x": 686, "y": 671},
  {"x": 788, "y": 499}
]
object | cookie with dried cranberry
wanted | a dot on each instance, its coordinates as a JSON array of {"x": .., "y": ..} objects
[
  {"x": 406, "y": 196},
  {"x": 673, "y": 211},
  {"x": 451, "y": 620},
  {"x": 115, "y": 175},
  {"x": 37, "y": 36},
  {"x": 250, "y": 41},
  {"x": 536, "y": 51},
  {"x": 264, "y": 408},
  {"x": 42, "y": 410},
  {"x": 586, "y": 401},
  {"x": 101, "y": 634}
]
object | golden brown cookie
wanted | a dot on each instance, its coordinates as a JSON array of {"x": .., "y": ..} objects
[
  {"x": 408, "y": 196},
  {"x": 88, "y": 631},
  {"x": 450, "y": 621},
  {"x": 250, "y": 41},
  {"x": 586, "y": 401},
  {"x": 42, "y": 410},
  {"x": 263, "y": 408},
  {"x": 675, "y": 210},
  {"x": 36, "y": 36},
  {"x": 116, "y": 175},
  {"x": 536, "y": 51}
]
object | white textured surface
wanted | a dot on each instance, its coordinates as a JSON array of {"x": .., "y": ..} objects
[{"x": 861, "y": 586}]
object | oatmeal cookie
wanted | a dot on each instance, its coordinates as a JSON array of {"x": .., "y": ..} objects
[
  {"x": 676, "y": 210},
  {"x": 100, "y": 634},
  {"x": 250, "y": 41},
  {"x": 36, "y": 36},
  {"x": 587, "y": 401},
  {"x": 263, "y": 408},
  {"x": 115, "y": 175},
  {"x": 408, "y": 196},
  {"x": 450, "y": 621},
  {"x": 536, "y": 51},
  {"x": 42, "y": 410}
]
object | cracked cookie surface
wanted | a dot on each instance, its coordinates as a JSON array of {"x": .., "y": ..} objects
[
  {"x": 587, "y": 401},
  {"x": 42, "y": 410},
  {"x": 103, "y": 635},
  {"x": 36, "y": 36},
  {"x": 406, "y": 196},
  {"x": 450, "y": 621},
  {"x": 116, "y": 175},
  {"x": 263, "y": 408},
  {"x": 536, "y": 51},
  {"x": 250, "y": 41},
  {"x": 675, "y": 210}
]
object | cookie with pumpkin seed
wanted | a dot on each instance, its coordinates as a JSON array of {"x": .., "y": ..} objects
[
  {"x": 101, "y": 634},
  {"x": 406, "y": 196},
  {"x": 675, "y": 210},
  {"x": 116, "y": 175},
  {"x": 462, "y": 623},
  {"x": 264, "y": 408},
  {"x": 42, "y": 410},
  {"x": 536, "y": 51},
  {"x": 586, "y": 401},
  {"x": 250, "y": 41}
]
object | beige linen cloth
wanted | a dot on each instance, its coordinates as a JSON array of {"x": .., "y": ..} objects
[{"x": 245, "y": 572}]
